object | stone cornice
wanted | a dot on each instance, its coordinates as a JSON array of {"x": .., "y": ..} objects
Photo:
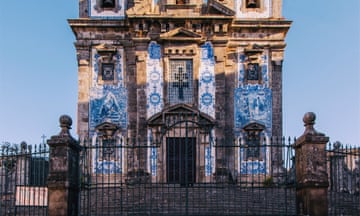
[
  {"x": 86, "y": 22},
  {"x": 241, "y": 23}
]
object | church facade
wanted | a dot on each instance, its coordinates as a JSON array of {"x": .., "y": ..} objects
[{"x": 180, "y": 78}]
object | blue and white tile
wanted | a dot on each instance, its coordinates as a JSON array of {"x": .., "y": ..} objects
[
  {"x": 154, "y": 80},
  {"x": 207, "y": 80}
]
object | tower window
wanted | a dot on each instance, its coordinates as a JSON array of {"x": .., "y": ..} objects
[
  {"x": 252, "y": 4},
  {"x": 181, "y": 2},
  {"x": 252, "y": 71},
  {"x": 107, "y": 71},
  {"x": 108, "y": 3}
]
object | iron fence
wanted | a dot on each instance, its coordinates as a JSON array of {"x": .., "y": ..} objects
[
  {"x": 126, "y": 179},
  {"x": 183, "y": 176},
  {"x": 344, "y": 179},
  {"x": 23, "y": 179}
]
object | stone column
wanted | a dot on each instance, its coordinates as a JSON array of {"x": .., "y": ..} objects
[
  {"x": 277, "y": 162},
  {"x": 63, "y": 179},
  {"x": 311, "y": 170}
]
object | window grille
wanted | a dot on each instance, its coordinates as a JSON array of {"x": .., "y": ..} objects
[
  {"x": 253, "y": 143},
  {"x": 180, "y": 88}
]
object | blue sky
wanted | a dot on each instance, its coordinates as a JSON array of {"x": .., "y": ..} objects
[{"x": 38, "y": 68}]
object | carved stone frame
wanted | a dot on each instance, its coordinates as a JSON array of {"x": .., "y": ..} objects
[{"x": 107, "y": 56}]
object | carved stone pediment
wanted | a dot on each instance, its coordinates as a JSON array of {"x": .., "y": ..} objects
[
  {"x": 181, "y": 112},
  {"x": 106, "y": 129},
  {"x": 180, "y": 34},
  {"x": 254, "y": 126},
  {"x": 106, "y": 48},
  {"x": 215, "y": 7}
]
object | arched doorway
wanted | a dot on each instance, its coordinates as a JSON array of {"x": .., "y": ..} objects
[{"x": 182, "y": 136}]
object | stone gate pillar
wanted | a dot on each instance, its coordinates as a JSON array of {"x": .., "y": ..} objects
[
  {"x": 311, "y": 170},
  {"x": 63, "y": 179}
]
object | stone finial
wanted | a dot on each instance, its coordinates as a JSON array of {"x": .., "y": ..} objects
[
  {"x": 337, "y": 145},
  {"x": 309, "y": 121},
  {"x": 23, "y": 146},
  {"x": 65, "y": 124}
]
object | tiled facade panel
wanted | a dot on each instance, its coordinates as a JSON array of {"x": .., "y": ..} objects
[
  {"x": 207, "y": 80},
  {"x": 253, "y": 104},
  {"x": 108, "y": 102},
  {"x": 154, "y": 80}
]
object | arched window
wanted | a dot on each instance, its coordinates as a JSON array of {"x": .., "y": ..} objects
[
  {"x": 108, "y": 3},
  {"x": 253, "y": 139},
  {"x": 252, "y": 4},
  {"x": 181, "y": 2}
]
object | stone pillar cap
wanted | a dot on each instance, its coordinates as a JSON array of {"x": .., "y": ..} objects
[{"x": 309, "y": 122}]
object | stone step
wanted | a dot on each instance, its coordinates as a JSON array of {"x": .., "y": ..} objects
[{"x": 176, "y": 200}]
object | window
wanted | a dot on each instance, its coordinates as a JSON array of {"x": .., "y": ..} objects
[
  {"x": 106, "y": 64},
  {"x": 112, "y": 6},
  {"x": 180, "y": 88},
  {"x": 108, "y": 149},
  {"x": 253, "y": 139},
  {"x": 108, "y": 3},
  {"x": 252, "y": 4},
  {"x": 253, "y": 145},
  {"x": 181, "y": 2},
  {"x": 107, "y": 71},
  {"x": 252, "y": 71}
]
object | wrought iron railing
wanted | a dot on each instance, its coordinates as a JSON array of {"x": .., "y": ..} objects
[
  {"x": 128, "y": 183},
  {"x": 344, "y": 179},
  {"x": 130, "y": 177},
  {"x": 23, "y": 179}
]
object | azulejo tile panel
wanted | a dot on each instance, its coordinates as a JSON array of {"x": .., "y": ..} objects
[
  {"x": 207, "y": 80},
  {"x": 253, "y": 167},
  {"x": 253, "y": 103},
  {"x": 108, "y": 102},
  {"x": 107, "y": 165},
  {"x": 154, "y": 80}
]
